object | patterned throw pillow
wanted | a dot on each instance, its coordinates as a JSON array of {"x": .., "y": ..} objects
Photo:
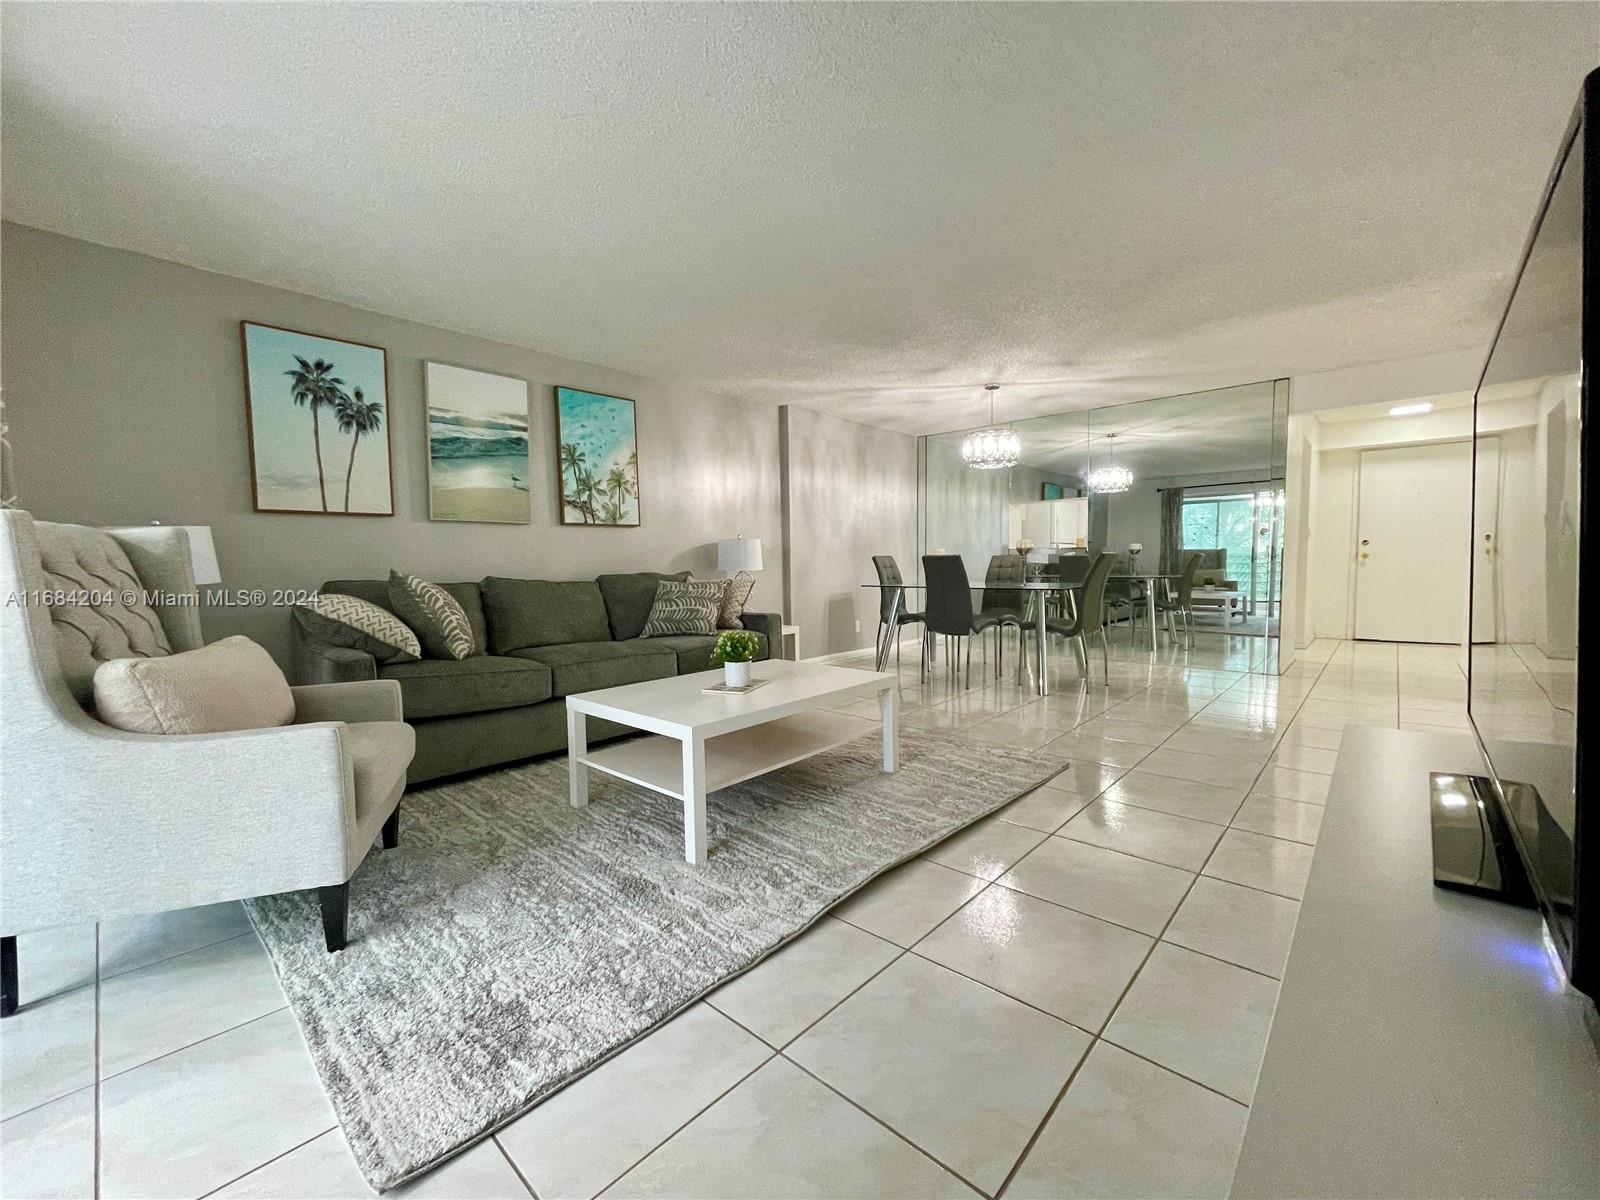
[
  {"x": 687, "y": 607},
  {"x": 358, "y": 624},
  {"x": 434, "y": 613},
  {"x": 735, "y": 592}
]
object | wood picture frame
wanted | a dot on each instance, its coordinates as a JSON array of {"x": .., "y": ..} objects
[
  {"x": 290, "y": 371},
  {"x": 597, "y": 460}
]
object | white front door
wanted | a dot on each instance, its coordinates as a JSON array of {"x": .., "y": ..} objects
[
  {"x": 1413, "y": 531},
  {"x": 1485, "y": 543}
]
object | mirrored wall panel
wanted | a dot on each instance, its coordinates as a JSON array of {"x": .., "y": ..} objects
[
  {"x": 1522, "y": 677},
  {"x": 1192, "y": 482}
]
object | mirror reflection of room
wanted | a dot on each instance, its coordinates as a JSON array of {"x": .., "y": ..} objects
[{"x": 1181, "y": 483}]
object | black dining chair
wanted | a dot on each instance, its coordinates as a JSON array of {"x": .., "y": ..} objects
[
  {"x": 1181, "y": 603},
  {"x": 1125, "y": 599},
  {"x": 890, "y": 583},
  {"x": 949, "y": 608},
  {"x": 1090, "y": 619},
  {"x": 1072, "y": 570}
]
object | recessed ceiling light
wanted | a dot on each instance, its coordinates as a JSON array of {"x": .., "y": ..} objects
[{"x": 1411, "y": 410}]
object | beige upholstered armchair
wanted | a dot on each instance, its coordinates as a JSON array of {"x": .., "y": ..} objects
[{"x": 96, "y": 822}]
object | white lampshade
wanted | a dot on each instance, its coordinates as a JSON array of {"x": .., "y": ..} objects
[
  {"x": 739, "y": 554},
  {"x": 202, "y": 554}
]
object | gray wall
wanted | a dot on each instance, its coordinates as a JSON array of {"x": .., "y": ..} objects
[
  {"x": 850, "y": 493},
  {"x": 124, "y": 390}
]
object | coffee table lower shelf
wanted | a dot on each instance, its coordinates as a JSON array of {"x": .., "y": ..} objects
[{"x": 656, "y": 762}]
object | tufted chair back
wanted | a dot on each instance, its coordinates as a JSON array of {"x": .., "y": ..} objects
[{"x": 101, "y": 594}]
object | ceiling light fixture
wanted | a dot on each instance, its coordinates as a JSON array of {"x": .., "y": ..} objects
[
  {"x": 1411, "y": 410},
  {"x": 1110, "y": 479},
  {"x": 993, "y": 447}
]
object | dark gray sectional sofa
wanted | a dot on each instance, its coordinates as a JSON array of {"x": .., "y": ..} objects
[{"x": 536, "y": 641}]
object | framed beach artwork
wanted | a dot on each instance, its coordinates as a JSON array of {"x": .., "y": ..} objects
[
  {"x": 597, "y": 458},
  {"x": 1052, "y": 491},
  {"x": 477, "y": 445},
  {"x": 317, "y": 412}
]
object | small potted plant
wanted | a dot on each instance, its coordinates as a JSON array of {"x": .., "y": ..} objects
[{"x": 735, "y": 650}]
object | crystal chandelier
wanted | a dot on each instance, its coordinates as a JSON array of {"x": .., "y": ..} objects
[
  {"x": 1110, "y": 478},
  {"x": 994, "y": 447}
]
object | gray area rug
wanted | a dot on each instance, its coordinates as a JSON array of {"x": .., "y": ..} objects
[{"x": 511, "y": 943}]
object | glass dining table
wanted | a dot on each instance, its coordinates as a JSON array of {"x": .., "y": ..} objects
[{"x": 1040, "y": 612}]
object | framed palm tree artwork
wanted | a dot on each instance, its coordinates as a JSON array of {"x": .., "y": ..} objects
[
  {"x": 597, "y": 458},
  {"x": 317, "y": 410}
]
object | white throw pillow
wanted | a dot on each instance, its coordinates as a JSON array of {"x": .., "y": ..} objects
[{"x": 231, "y": 684}]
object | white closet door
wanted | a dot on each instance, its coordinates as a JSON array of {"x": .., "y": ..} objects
[{"x": 1413, "y": 531}]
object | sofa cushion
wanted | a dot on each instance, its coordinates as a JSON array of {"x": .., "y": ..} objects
[
  {"x": 694, "y": 649},
  {"x": 442, "y": 687},
  {"x": 586, "y": 666},
  {"x": 467, "y": 595},
  {"x": 524, "y": 613},
  {"x": 628, "y": 599}
]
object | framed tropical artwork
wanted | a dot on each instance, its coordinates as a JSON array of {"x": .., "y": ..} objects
[
  {"x": 1052, "y": 491},
  {"x": 317, "y": 411},
  {"x": 597, "y": 458},
  {"x": 477, "y": 445}
]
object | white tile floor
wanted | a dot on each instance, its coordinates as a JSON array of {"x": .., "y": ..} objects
[{"x": 1071, "y": 997}]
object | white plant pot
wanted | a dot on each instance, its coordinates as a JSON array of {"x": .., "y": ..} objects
[{"x": 736, "y": 674}]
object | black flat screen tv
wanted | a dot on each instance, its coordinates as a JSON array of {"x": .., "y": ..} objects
[{"x": 1533, "y": 682}]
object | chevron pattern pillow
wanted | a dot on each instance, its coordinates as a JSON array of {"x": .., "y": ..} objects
[
  {"x": 434, "y": 613},
  {"x": 358, "y": 624},
  {"x": 735, "y": 592},
  {"x": 686, "y": 607}
]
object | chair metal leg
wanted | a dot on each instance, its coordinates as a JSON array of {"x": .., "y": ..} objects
[
  {"x": 391, "y": 830},
  {"x": 8, "y": 976},
  {"x": 968, "y": 680},
  {"x": 335, "y": 903},
  {"x": 1105, "y": 655}
]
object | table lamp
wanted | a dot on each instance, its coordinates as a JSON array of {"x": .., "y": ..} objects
[{"x": 739, "y": 556}]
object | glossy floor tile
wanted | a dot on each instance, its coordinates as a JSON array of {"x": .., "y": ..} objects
[
  {"x": 782, "y": 1134},
  {"x": 1073, "y": 966},
  {"x": 902, "y": 1048},
  {"x": 1137, "y": 908},
  {"x": 1203, "y": 1018},
  {"x": 1129, "y": 1128},
  {"x": 591, "y": 1132},
  {"x": 778, "y": 998}
]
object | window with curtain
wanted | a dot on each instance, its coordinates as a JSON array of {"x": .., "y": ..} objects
[{"x": 1234, "y": 523}]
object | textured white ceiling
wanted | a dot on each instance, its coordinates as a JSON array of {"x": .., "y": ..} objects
[{"x": 868, "y": 209}]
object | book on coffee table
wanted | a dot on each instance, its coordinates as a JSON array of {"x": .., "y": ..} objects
[{"x": 722, "y": 689}]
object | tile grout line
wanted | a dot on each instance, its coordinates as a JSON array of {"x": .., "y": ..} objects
[
  {"x": 268, "y": 1162},
  {"x": 197, "y": 1042},
  {"x": 698, "y": 1113},
  {"x": 166, "y": 958},
  {"x": 512, "y": 1163},
  {"x": 97, "y": 1131},
  {"x": 1100, "y": 1035}
]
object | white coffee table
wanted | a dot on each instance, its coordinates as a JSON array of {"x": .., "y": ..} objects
[
  {"x": 703, "y": 743},
  {"x": 1229, "y": 603}
]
